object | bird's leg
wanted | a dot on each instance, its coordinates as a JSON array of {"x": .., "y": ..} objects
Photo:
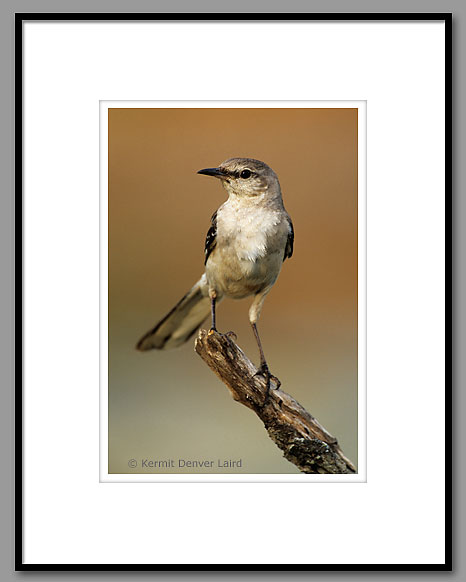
[
  {"x": 263, "y": 368},
  {"x": 253, "y": 317},
  {"x": 213, "y": 300}
]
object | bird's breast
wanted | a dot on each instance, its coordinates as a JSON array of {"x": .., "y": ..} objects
[
  {"x": 248, "y": 234},
  {"x": 249, "y": 252}
]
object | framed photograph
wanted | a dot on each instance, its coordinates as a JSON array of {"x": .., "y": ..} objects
[{"x": 236, "y": 291}]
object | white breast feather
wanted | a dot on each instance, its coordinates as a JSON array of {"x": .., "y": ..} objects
[{"x": 247, "y": 235}]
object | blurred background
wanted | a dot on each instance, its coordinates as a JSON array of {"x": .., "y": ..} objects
[{"x": 169, "y": 405}]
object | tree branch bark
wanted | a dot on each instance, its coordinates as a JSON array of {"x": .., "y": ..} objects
[{"x": 303, "y": 440}]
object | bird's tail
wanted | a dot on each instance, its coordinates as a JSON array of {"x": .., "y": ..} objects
[{"x": 180, "y": 323}]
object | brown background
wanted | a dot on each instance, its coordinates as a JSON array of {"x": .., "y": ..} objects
[{"x": 168, "y": 405}]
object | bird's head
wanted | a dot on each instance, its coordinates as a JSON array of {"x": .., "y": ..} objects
[{"x": 245, "y": 177}]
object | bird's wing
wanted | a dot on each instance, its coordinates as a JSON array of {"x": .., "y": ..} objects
[
  {"x": 289, "y": 241},
  {"x": 211, "y": 238}
]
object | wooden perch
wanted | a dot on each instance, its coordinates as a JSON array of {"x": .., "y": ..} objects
[{"x": 304, "y": 441}]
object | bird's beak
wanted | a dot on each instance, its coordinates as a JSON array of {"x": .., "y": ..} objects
[{"x": 216, "y": 172}]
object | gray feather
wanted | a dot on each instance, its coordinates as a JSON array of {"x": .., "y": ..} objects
[{"x": 179, "y": 324}]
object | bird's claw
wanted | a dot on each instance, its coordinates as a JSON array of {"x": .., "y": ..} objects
[
  {"x": 265, "y": 372},
  {"x": 277, "y": 381},
  {"x": 231, "y": 335}
]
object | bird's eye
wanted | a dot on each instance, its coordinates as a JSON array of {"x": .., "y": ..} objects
[{"x": 245, "y": 174}]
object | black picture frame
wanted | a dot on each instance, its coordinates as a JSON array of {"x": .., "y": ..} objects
[{"x": 20, "y": 18}]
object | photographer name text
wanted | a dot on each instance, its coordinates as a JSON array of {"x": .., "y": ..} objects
[{"x": 188, "y": 463}]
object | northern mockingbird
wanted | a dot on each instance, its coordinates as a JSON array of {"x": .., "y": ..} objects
[{"x": 250, "y": 236}]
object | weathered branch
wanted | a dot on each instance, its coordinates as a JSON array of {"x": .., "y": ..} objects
[{"x": 304, "y": 441}]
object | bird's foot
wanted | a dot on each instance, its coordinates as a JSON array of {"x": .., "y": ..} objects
[
  {"x": 277, "y": 381},
  {"x": 231, "y": 335},
  {"x": 264, "y": 371}
]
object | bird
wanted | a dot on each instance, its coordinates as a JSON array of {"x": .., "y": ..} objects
[{"x": 250, "y": 236}]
